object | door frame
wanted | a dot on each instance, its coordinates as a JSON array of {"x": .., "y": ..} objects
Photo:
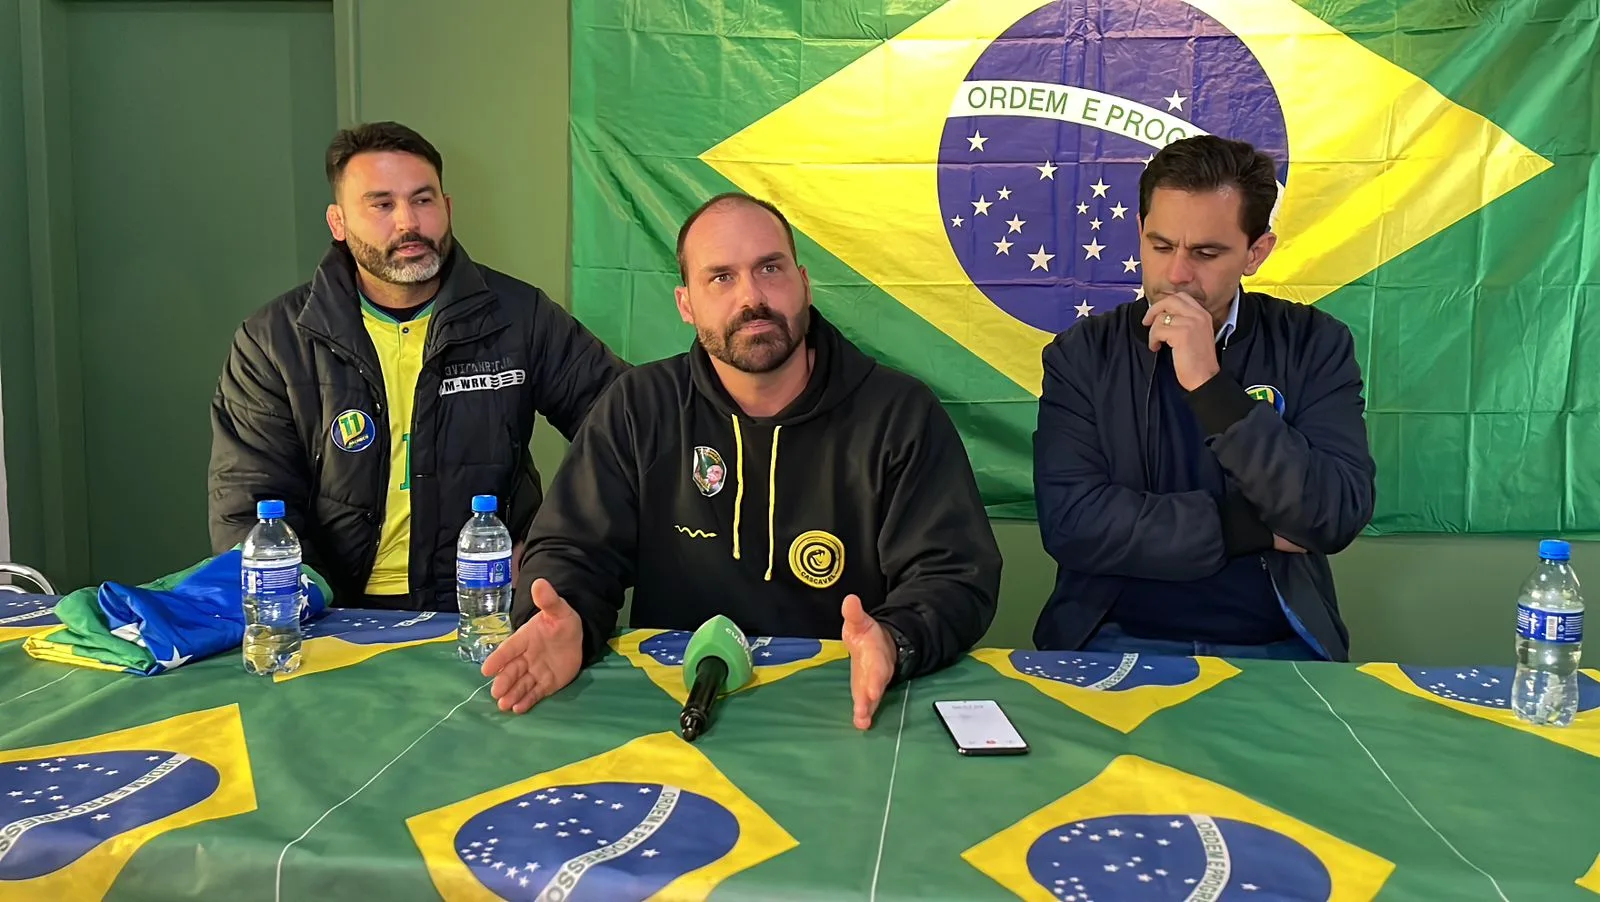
[{"x": 59, "y": 545}]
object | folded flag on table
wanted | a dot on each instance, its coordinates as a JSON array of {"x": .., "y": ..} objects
[{"x": 154, "y": 627}]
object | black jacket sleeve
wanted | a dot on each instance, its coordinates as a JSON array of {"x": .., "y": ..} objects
[
  {"x": 936, "y": 547},
  {"x": 256, "y": 450},
  {"x": 585, "y": 537},
  {"x": 571, "y": 367},
  {"x": 1313, "y": 481},
  {"x": 1090, "y": 524}
]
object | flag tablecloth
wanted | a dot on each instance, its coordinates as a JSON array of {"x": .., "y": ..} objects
[{"x": 385, "y": 770}]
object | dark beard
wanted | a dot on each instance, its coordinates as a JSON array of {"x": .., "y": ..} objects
[
  {"x": 382, "y": 263},
  {"x": 758, "y": 353}
]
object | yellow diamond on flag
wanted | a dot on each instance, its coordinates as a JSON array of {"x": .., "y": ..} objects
[
  {"x": 652, "y": 819},
  {"x": 345, "y": 637},
  {"x": 1485, "y": 693},
  {"x": 1378, "y": 160},
  {"x": 1591, "y": 880},
  {"x": 1142, "y": 830},
  {"x": 659, "y": 653},
  {"x": 76, "y": 811},
  {"x": 1121, "y": 691},
  {"x": 24, "y": 615}
]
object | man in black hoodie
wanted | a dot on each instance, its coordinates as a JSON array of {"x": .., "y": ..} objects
[{"x": 773, "y": 473}]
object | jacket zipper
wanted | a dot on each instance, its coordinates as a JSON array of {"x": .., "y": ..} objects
[{"x": 380, "y": 427}]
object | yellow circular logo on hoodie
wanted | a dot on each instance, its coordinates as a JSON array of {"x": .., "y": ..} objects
[{"x": 817, "y": 558}]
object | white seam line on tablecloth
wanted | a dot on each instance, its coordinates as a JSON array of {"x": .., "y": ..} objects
[
  {"x": 40, "y": 688},
  {"x": 277, "y": 881},
  {"x": 1403, "y": 797},
  {"x": 883, "y": 833}
]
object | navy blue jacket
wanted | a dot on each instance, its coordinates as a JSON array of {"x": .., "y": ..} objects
[{"x": 1285, "y": 418}]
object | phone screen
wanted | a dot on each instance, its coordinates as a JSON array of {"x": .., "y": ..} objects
[{"x": 980, "y": 728}]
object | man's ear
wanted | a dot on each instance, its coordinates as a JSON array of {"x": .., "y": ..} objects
[
  {"x": 1259, "y": 252},
  {"x": 336, "y": 222},
  {"x": 681, "y": 295}
]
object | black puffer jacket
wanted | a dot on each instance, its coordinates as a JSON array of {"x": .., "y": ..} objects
[{"x": 498, "y": 352}]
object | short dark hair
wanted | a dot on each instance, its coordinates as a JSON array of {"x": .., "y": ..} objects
[
  {"x": 730, "y": 197},
  {"x": 370, "y": 137},
  {"x": 1209, "y": 163}
]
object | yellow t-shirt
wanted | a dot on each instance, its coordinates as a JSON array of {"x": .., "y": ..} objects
[{"x": 399, "y": 347}]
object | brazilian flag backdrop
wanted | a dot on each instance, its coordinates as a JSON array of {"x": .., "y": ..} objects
[{"x": 964, "y": 178}]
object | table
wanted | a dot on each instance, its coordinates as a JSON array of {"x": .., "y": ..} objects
[{"x": 391, "y": 775}]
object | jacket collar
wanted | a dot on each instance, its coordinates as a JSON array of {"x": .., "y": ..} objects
[{"x": 462, "y": 308}]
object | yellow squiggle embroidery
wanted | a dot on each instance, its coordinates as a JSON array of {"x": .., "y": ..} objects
[{"x": 695, "y": 533}]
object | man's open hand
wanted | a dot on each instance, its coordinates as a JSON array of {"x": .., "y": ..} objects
[
  {"x": 539, "y": 659},
  {"x": 872, "y": 659}
]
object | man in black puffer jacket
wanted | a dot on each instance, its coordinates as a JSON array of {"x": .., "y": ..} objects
[{"x": 378, "y": 398}]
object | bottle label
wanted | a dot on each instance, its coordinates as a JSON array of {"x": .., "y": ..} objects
[
  {"x": 1565, "y": 627},
  {"x": 278, "y": 582},
  {"x": 483, "y": 569}
]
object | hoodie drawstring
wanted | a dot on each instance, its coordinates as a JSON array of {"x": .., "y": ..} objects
[
  {"x": 772, "y": 498},
  {"x": 738, "y": 499},
  {"x": 772, "y": 492}
]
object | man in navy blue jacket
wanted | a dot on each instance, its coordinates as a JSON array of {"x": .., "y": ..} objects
[{"x": 1202, "y": 451}]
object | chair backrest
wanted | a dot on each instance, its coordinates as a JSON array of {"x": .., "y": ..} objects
[{"x": 27, "y": 573}]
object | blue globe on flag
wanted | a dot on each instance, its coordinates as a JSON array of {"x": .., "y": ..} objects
[
  {"x": 1174, "y": 857},
  {"x": 667, "y": 649},
  {"x": 1487, "y": 687},
  {"x": 1106, "y": 671},
  {"x": 600, "y": 841},
  {"x": 56, "y": 810},
  {"x": 1040, "y": 157},
  {"x": 375, "y": 627}
]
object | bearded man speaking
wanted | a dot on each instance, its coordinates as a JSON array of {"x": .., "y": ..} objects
[{"x": 773, "y": 473}]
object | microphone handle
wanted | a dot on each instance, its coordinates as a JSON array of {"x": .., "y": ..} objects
[{"x": 696, "y": 715}]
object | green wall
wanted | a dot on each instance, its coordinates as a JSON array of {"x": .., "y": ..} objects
[{"x": 487, "y": 81}]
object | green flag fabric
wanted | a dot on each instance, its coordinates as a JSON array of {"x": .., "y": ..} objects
[{"x": 963, "y": 178}]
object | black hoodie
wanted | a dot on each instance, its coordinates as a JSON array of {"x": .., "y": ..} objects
[{"x": 861, "y": 485}]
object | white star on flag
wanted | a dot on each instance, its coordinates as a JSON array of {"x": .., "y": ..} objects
[
  {"x": 1016, "y": 223},
  {"x": 1002, "y": 246},
  {"x": 1093, "y": 249},
  {"x": 1047, "y": 171},
  {"x": 1130, "y": 265},
  {"x": 1084, "y": 309},
  {"x": 976, "y": 141},
  {"x": 1118, "y": 210},
  {"x": 1099, "y": 187},
  {"x": 1005, "y": 193},
  {"x": 980, "y": 206},
  {"x": 1083, "y": 209},
  {"x": 957, "y": 221},
  {"x": 1041, "y": 260},
  {"x": 1094, "y": 224},
  {"x": 1175, "y": 101}
]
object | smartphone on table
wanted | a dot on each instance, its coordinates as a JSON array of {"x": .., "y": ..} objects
[{"x": 980, "y": 727}]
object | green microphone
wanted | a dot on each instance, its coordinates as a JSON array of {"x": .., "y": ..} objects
[{"x": 715, "y": 663}]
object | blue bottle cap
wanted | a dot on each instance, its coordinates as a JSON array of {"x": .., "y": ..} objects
[
  {"x": 269, "y": 510},
  {"x": 1555, "y": 550},
  {"x": 484, "y": 504}
]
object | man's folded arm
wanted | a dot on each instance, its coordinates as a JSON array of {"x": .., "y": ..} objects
[
  {"x": 1092, "y": 525},
  {"x": 1313, "y": 482}
]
